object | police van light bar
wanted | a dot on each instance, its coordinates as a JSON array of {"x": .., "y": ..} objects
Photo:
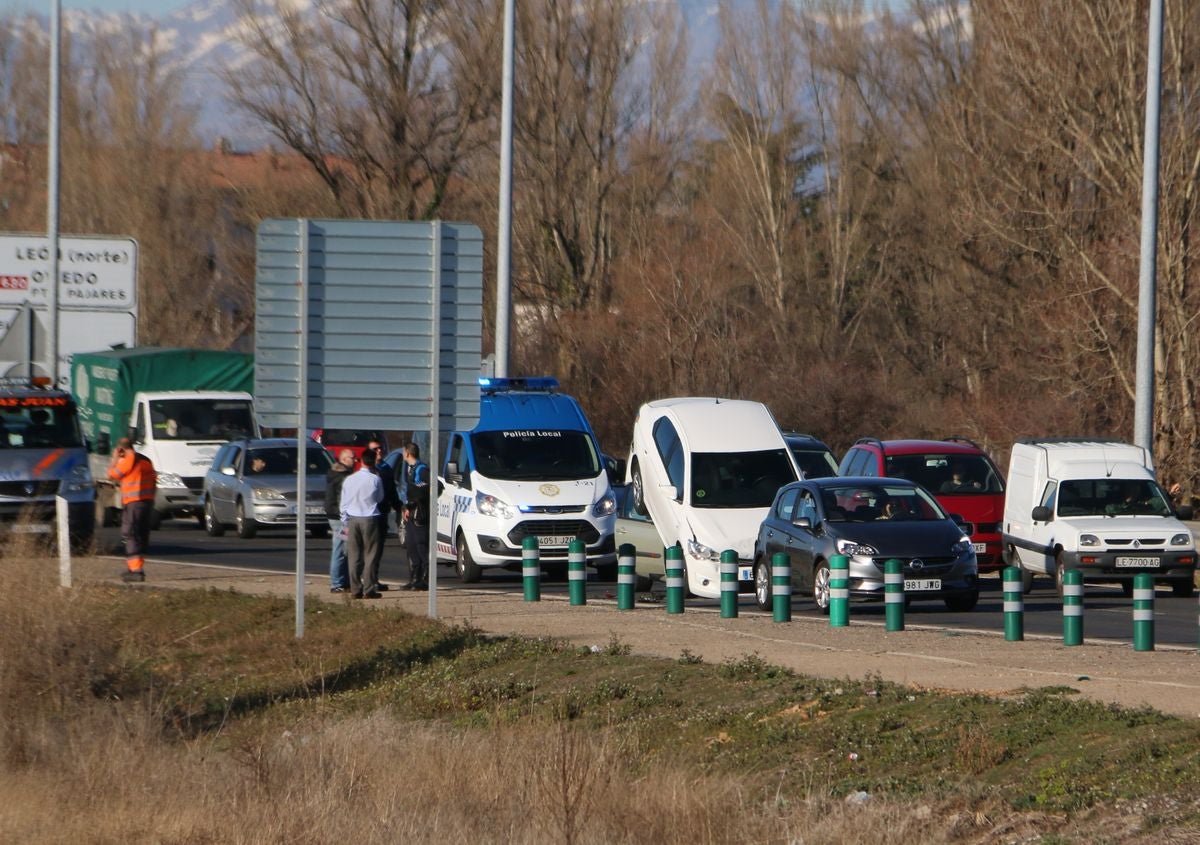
[{"x": 492, "y": 384}]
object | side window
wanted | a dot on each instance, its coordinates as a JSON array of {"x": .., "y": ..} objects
[
  {"x": 454, "y": 453},
  {"x": 787, "y": 505},
  {"x": 664, "y": 438},
  {"x": 1050, "y": 495},
  {"x": 860, "y": 463},
  {"x": 234, "y": 458},
  {"x": 675, "y": 467},
  {"x": 139, "y": 426},
  {"x": 870, "y": 464},
  {"x": 847, "y": 460},
  {"x": 807, "y": 507}
]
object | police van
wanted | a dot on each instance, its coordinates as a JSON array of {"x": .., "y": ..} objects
[{"x": 531, "y": 468}]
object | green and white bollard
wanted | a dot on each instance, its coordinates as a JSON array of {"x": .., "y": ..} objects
[
  {"x": 531, "y": 569},
  {"x": 1014, "y": 605},
  {"x": 1072, "y": 607},
  {"x": 839, "y": 591},
  {"x": 626, "y": 576},
  {"x": 893, "y": 595},
  {"x": 577, "y": 572},
  {"x": 674, "y": 567},
  {"x": 781, "y": 587},
  {"x": 729, "y": 584},
  {"x": 1143, "y": 612}
]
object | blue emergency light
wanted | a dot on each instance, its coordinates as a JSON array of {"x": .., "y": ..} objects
[{"x": 492, "y": 384}]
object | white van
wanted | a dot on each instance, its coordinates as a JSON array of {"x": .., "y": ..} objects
[
  {"x": 707, "y": 471},
  {"x": 1093, "y": 506}
]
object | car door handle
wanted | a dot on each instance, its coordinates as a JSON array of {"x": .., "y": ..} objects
[
  {"x": 770, "y": 533},
  {"x": 622, "y": 531}
]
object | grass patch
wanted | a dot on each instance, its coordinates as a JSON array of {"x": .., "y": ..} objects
[{"x": 217, "y": 682}]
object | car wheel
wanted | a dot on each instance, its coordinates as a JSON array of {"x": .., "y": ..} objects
[
  {"x": 606, "y": 572},
  {"x": 1127, "y": 588},
  {"x": 961, "y": 604},
  {"x": 245, "y": 527},
  {"x": 1026, "y": 581},
  {"x": 643, "y": 583},
  {"x": 639, "y": 490},
  {"x": 1060, "y": 569},
  {"x": 211, "y": 524},
  {"x": 762, "y": 584},
  {"x": 200, "y": 519},
  {"x": 1184, "y": 589},
  {"x": 468, "y": 571},
  {"x": 821, "y": 587},
  {"x": 320, "y": 531}
]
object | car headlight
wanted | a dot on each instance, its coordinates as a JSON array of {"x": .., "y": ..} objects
[
  {"x": 607, "y": 505},
  {"x": 80, "y": 479},
  {"x": 702, "y": 552},
  {"x": 853, "y": 549},
  {"x": 1181, "y": 540},
  {"x": 1089, "y": 540},
  {"x": 489, "y": 505},
  {"x": 169, "y": 479},
  {"x": 962, "y": 547},
  {"x": 267, "y": 494}
]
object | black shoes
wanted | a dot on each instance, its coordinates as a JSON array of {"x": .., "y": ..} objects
[
  {"x": 131, "y": 576},
  {"x": 383, "y": 588},
  {"x": 337, "y": 589},
  {"x": 373, "y": 594}
]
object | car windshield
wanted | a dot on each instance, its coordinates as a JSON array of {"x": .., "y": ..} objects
[
  {"x": 879, "y": 503},
  {"x": 952, "y": 475},
  {"x": 815, "y": 463},
  {"x": 535, "y": 455},
  {"x": 739, "y": 479},
  {"x": 201, "y": 419},
  {"x": 38, "y": 422},
  {"x": 281, "y": 460},
  {"x": 1112, "y": 497}
]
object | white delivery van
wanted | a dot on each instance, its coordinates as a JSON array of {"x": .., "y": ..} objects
[
  {"x": 1096, "y": 507},
  {"x": 531, "y": 468},
  {"x": 707, "y": 471}
]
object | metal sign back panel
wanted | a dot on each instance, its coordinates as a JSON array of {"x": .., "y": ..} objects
[{"x": 369, "y": 323}]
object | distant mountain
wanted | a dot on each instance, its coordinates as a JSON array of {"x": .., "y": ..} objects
[{"x": 201, "y": 39}]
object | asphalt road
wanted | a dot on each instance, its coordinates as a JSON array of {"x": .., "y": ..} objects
[{"x": 1108, "y": 614}]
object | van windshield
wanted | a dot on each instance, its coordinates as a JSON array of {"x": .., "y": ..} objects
[
  {"x": 947, "y": 475},
  {"x": 1112, "y": 497},
  {"x": 535, "y": 455},
  {"x": 201, "y": 419},
  {"x": 39, "y": 423},
  {"x": 739, "y": 479}
]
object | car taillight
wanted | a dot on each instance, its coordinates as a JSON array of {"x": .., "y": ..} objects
[
  {"x": 1085, "y": 559},
  {"x": 1187, "y": 559}
]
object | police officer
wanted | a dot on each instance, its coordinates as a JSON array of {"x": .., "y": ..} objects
[{"x": 416, "y": 518}]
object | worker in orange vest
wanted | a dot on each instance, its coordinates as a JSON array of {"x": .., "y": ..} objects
[{"x": 137, "y": 476}]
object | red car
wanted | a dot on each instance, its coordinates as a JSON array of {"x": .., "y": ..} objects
[
  {"x": 960, "y": 475},
  {"x": 336, "y": 439}
]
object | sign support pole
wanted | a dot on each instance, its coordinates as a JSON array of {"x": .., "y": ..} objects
[
  {"x": 52, "y": 191},
  {"x": 301, "y": 430},
  {"x": 435, "y": 416}
]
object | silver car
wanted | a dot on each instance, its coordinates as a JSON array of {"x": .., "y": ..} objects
[{"x": 252, "y": 484}]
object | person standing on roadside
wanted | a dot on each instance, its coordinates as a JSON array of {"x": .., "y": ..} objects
[
  {"x": 362, "y": 493},
  {"x": 339, "y": 569},
  {"x": 138, "y": 480},
  {"x": 391, "y": 499},
  {"x": 416, "y": 517}
]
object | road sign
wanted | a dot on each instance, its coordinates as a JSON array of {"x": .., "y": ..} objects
[
  {"x": 95, "y": 274},
  {"x": 370, "y": 350},
  {"x": 78, "y": 331}
]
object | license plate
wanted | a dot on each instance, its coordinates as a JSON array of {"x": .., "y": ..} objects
[
  {"x": 745, "y": 573},
  {"x": 555, "y": 540},
  {"x": 315, "y": 511},
  {"x": 31, "y": 528},
  {"x": 1136, "y": 562},
  {"x": 920, "y": 585},
  {"x": 980, "y": 548}
]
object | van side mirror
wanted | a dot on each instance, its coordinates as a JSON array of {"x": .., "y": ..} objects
[
  {"x": 103, "y": 443},
  {"x": 452, "y": 468},
  {"x": 803, "y": 522},
  {"x": 1042, "y": 514},
  {"x": 1186, "y": 513},
  {"x": 615, "y": 467}
]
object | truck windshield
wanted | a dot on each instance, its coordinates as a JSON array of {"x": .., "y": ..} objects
[
  {"x": 1112, "y": 497},
  {"x": 201, "y": 419},
  {"x": 533, "y": 454},
  {"x": 34, "y": 424},
  {"x": 739, "y": 479}
]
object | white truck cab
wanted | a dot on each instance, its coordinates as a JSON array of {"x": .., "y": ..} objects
[
  {"x": 1096, "y": 507},
  {"x": 531, "y": 468}
]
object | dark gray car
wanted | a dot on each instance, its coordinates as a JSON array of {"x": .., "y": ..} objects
[{"x": 869, "y": 520}]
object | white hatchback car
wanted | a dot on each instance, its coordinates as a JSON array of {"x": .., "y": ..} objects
[{"x": 707, "y": 471}]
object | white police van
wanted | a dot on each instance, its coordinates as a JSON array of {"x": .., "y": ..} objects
[{"x": 531, "y": 468}]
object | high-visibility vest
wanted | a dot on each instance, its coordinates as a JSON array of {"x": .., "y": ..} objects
[{"x": 137, "y": 477}]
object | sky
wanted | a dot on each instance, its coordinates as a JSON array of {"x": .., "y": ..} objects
[{"x": 151, "y": 6}]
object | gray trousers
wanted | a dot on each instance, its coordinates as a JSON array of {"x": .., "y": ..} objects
[{"x": 364, "y": 547}]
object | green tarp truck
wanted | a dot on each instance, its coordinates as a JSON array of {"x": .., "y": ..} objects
[{"x": 177, "y": 405}]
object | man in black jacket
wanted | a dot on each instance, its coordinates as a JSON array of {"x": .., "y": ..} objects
[
  {"x": 391, "y": 498},
  {"x": 339, "y": 568},
  {"x": 416, "y": 518}
]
